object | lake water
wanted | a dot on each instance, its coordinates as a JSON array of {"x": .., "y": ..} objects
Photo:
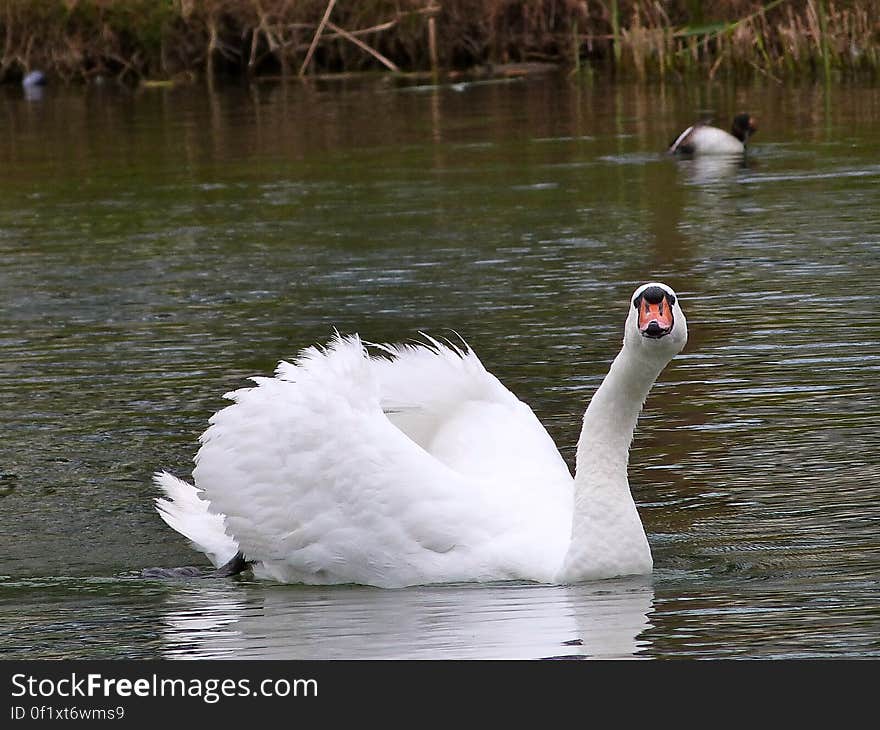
[{"x": 159, "y": 247}]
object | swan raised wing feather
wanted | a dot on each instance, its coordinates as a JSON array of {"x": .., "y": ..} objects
[
  {"x": 443, "y": 398},
  {"x": 324, "y": 487}
]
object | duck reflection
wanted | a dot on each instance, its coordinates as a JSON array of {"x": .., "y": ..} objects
[
  {"x": 713, "y": 170},
  {"x": 606, "y": 619}
]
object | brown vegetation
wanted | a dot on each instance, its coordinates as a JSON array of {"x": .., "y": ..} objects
[{"x": 134, "y": 40}]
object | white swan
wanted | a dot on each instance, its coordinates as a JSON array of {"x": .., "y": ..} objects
[{"x": 418, "y": 466}]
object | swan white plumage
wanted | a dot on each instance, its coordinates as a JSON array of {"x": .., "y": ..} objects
[{"x": 418, "y": 466}]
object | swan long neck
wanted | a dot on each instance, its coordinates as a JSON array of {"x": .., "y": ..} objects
[
  {"x": 604, "y": 510},
  {"x": 610, "y": 422}
]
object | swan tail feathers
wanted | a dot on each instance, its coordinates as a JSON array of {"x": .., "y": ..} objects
[{"x": 183, "y": 510}]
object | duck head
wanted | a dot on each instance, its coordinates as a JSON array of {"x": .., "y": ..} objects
[{"x": 744, "y": 126}]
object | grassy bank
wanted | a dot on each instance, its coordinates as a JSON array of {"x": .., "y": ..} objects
[{"x": 133, "y": 40}]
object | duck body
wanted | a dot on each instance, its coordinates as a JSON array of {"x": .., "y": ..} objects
[
  {"x": 703, "y": 139},
  {"x": 416, "y": 465}
]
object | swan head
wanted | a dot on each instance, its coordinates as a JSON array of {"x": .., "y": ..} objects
[{"x": 656, "y": 325}]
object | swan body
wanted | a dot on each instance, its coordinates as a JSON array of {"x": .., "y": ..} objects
[
  {"x": 416, "y": 466},
  {"x": 703, "y": 139}
]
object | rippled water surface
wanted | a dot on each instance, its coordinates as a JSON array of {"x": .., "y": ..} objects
[{"x": 158, "y": 248}]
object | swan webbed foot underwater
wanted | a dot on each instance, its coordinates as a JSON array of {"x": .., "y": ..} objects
[{"x": 235, "y": 566}]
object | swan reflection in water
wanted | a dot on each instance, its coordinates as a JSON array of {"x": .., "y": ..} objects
[{"x": 604, "y": 619}]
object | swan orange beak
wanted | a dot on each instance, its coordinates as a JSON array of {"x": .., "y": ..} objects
[{"x": 655, "y": 318}]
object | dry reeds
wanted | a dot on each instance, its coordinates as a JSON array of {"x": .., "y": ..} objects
[{"x": 138, "y": 39}]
